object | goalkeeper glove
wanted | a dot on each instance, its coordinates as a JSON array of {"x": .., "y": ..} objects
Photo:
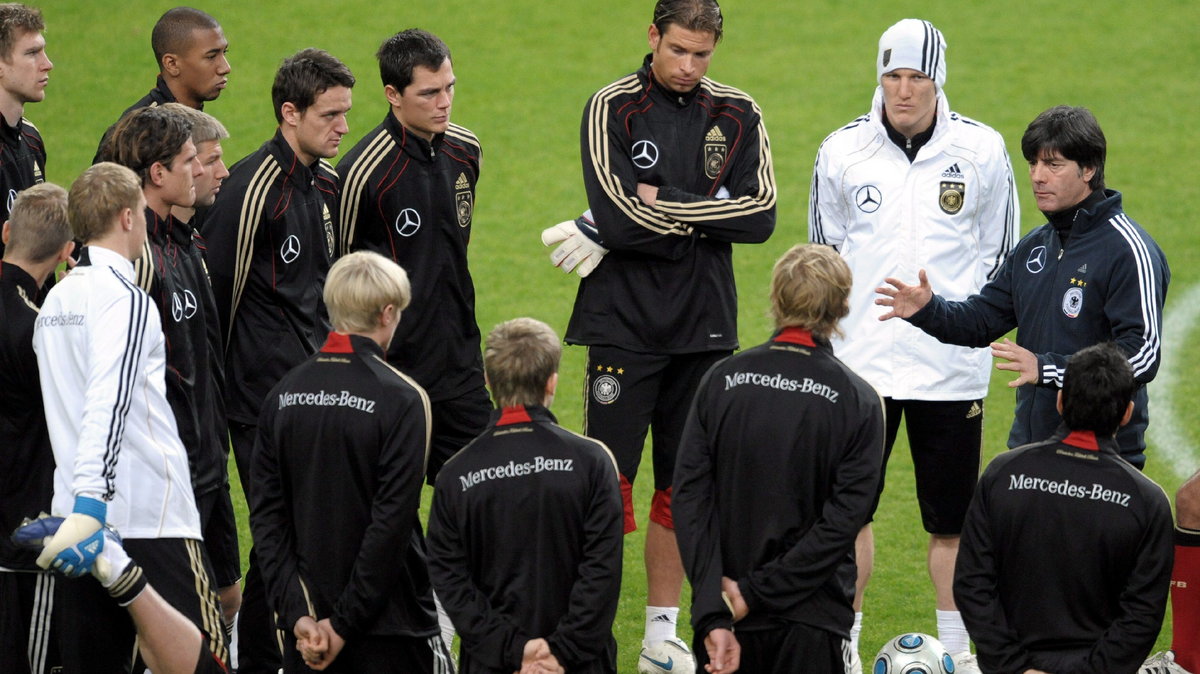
[
  {"x": 580, "y": 248},
  {"x": 79, "y": 539},
  {"x": 117, "y": 573}
]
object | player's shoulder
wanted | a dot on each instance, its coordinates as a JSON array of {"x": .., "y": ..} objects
[
  {"x": 618, "y": 92},
  {"x": 462, "y": 135},
  {"x": 721, "y": 92},
  {"x": 324, "y": 169},
  {"x": 399, "y": 384},
  {"x": 859, "y": 134},
  {"x": 975, "y": 136}
]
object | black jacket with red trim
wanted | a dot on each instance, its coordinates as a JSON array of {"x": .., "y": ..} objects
[
  {"x": 338, "y": 467},
  {"x": 22, "y": 163},
  {"x": 776, "y": 474},
  {"x": 26, "y": 460},
  {"x": 413, "y": 201},
  {"x": 525, "y": 537},
  {"x": 666, "y": 285},
  {"x": 1065, "y": 559},
  {"x": 270, "y": 242},
  {"x": 171, "y": 270}
]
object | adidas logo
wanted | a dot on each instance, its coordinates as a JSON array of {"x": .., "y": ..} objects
[
  {"x": 714, "y": 135},
  {"x": 462, "y": 183},
  {"x": 976, "y": 410},
  {"x": 1082, "y": 269},
  {"x": 953, "y": 172},
  {"x": 662, "y": 618}
]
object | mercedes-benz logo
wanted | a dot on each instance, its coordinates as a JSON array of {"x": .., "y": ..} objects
[
  {"x": 1037, "y": 260},
  {"x": 645, "y": 154},
  {"x": 868, "y": 198},
  {"x": 408, "y": 222},
  {"x": 290, "y": 250},
  {"x": 183, "y": 306}
]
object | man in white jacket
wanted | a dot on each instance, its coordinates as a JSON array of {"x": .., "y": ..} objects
[
  {"x": 101, "y": 359},
  {"x": 912, "y": 185}
]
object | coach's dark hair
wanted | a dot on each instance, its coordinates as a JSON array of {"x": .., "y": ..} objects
[
  {"x": 698, "y": 15},
  {"x": 15, "y": 21},
  {"x": 173, "y": 32},
  {"x": 402, "y": 52},
  {"x": 145, "y": 137},
  {"x": 1074, "y": 133},
  {"x": 1097, "y": 388},
  {"x": 306, "y": 75}
]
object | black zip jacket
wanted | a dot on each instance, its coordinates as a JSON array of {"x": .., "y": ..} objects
[
  {"x": 666, "y": 285},
  {"x": 338, "y": 467},
  {"x": 270, "y": 241},
  {"x": 171, "y": 271},
  {"x": 22, "y": 163},
  {"x": 525, "y": 537},
  {"x": 776, "y": 474},
  {"x": 413, "y": 201},
  {"x": 1065, "y": 560}
]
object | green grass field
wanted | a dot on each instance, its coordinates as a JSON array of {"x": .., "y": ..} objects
[{"x": 525, "y": 69}]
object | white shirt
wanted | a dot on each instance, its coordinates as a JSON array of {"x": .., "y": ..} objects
[
  {"x": 952, "y": 212},
  {"x": 101, "y": 357}
]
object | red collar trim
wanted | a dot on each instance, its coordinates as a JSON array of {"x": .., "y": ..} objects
[
  {"x": 795, "y": 335},
  {"x": 514, "y": 415},
  {"x": 337, "y": 343},
  {"x": 1083, "y": 440}
]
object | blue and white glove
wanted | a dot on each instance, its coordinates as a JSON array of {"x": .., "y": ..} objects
[
  {"x": 580, "y": 249},
  {"x": 79, "y": 540}
]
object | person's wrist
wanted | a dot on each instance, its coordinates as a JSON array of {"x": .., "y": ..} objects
[{"x": 92, "y": 507}]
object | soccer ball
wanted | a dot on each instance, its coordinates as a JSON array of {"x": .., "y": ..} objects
[
  {"x": 667, "y": 657},
  {"x": 913, "y": 653}
]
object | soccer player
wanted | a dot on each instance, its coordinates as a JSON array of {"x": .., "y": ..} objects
[
  {"x": 24, "y": 74},
  {"x": 270, "y": 238},
  {"x": 38, "y": 239},
  {"x": 660, "y": 147},
  {"x": 119, "y": 460},
  {"x": 1066, "y": 552},
  {"x": 776, "y": 474},
  {"x": 526, "y": 525},
  {"x": 338, "y": 467},
  {"x": 408, "y": 193},
  {"x": 156, "y": 143},
  {"x": 167, "y": 640},
  {"x": 190, "y": 49},
  {"x": 207, "y": 134},
  {"x": 913, "y": 185},
  {"x": 1089, "y": 275}
]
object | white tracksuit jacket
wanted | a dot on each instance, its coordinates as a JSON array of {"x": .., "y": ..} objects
[
  {"x": 99, "y": 345},
  {"x": 952, "y": 212}
]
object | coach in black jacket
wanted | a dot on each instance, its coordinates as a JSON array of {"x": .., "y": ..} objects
[
  {"x": 338, "y": 467},
  {"x": 525, "y": 528},
  {"x": 776, "y": 473},
  {"x": 1066, "y": 552}
]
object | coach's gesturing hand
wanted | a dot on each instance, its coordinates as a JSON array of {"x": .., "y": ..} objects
[{"x": 905, "y": 300}]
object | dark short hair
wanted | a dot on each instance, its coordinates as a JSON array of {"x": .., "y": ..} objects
[
  {"x": 173, "y": 32},
  {"x": 698, "y": 15},
  {"x": 147, "y": 136},
  {"x": 1097, "y": 388},
  {"x": 402, "y": 52},
  {"x": 306, "y": 75},
  {"x": 15, "y": 21},
  {"x": 1072, "y": 132}
]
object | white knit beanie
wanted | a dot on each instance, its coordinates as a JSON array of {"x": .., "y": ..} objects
[{"x": 915, "y": 44}]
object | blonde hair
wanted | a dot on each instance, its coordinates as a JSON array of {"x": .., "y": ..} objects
[
  {"x": 810, "y": 288},
  {"x": 520, "y": 357},
  {"x": 38, "y": 227},
  {"x": 359, "y": 286},
  {"x": 205, "y": 127},
  {"x": 98, "y": 196}
]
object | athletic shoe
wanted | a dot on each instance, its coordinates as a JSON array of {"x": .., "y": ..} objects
[
  {"x": 667, "y": 657},
  {"x": 965, "y": 663},
  {"x": 1162, "y": 662}
]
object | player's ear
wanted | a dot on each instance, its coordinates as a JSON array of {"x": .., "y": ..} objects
[
  {"x": 63, "y": 254},
  {"x": 1128, "y": 414},
  {"x": 5, "y": 233},
  {"x": 393, "y": 95},
  {"x": 291, "y": 116},
  {"x": 551, "y": 387},
  {"x": 156, "y": 173},
  {"x": 1058, "y": 402},
  {"x": 653, "y": 37},
  {"x": 170, "y": 65}
]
